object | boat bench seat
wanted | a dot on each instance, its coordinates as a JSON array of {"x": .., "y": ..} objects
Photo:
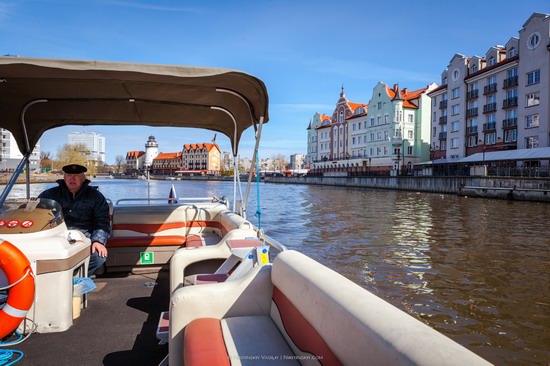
[{"x": 297, "y": 311}]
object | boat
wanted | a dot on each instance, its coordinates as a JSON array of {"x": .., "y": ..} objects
[{"x": 189, "y": 280}]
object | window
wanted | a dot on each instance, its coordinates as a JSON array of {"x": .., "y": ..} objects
[
  {"x": 491, "y": 61},
  {"x": 410, "y": 118},
  {"x": 434, "y": 131},
  {"x": 512, "y": 52},
  {"x": 492, "y": 80},
  {"x": 379, "y": 135},
  {"x": 472, "y": 141},
  {"x": 359, "y": 125},
  {"x": 410, "y": 134},
  {"x": 379, "y": 105},
  {"x": 386, "y": 135},
  {"x": 372, "y": 121},
  {"x": 341, "y": 117},
  {"x": 409, "y": 150},
  {"x": 513, "y": 72},
  {"x": 532, "y": 142},
  {"x": 372, "y": 136},
  {"x": 353, "y": 127},
  {"x": 378, "y": 120},
  {"x": 455, "y": 109},
  {"x": 454, "y": 143},
  {"x": 490, "y": 138},
  {"x": 434, "y": 117},
  {"x": 445, "y": 80},
  {"x": 512, "y": 93},
  {"x": 491, "y": 118},
  {"x": 456, "y": 74},
  {"x": 456, "y": 93},
  {"x": 533, "y": 99},
  {"x": 474, "y": 68},
  {"x": 386, "y": 119},
  {"x": 353, "y": 141},
  {"x": 455, "y": 126},
  {"x": 533, "y": 77},
  {"x": 510, "y": 135},
  {"x": 491, "y": 99},
  {"x": 532, "y": 121},
  {"x": 533, "y": 41}
]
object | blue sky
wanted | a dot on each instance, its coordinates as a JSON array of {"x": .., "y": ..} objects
[{"x": 303, "y": 50}]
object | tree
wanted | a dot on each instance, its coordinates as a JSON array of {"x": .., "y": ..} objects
[
  {"x": 46, "y": 161},
  {"x": 75, "y": 154},
  {"x": 279, "y": 162},
  {"x": 119, "y": 163}
]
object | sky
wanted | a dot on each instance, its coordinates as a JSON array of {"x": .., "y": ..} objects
[{"x": 304, "y": 51}]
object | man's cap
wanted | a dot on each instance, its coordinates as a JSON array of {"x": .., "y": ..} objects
[{"x": 74, "y": 169}]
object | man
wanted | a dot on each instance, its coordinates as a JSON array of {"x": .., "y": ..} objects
[{"x": 84, "y": 209}]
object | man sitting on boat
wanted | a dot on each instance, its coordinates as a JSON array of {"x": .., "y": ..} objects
[{"x": 84, "y": 209}]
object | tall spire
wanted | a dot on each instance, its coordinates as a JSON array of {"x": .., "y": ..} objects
[{"x": 342, "y": 94}]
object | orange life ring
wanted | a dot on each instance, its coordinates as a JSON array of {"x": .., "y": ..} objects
[{"x": 18, "y": 271}]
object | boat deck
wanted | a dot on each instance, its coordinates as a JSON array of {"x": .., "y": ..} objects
[{"x": 117, "y": 328}]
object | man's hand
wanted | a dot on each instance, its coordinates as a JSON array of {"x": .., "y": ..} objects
[{"x": 99, "y": 248}]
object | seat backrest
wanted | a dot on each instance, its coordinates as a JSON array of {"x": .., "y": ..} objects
[{"x": 357, "y": 325}]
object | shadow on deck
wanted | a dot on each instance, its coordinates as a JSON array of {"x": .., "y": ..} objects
[{"x": 117, "y": 328}]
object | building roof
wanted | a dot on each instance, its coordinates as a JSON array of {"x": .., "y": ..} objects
[
  {"x": 168, "y": 156},
  {"x": 539, "y": 153},
  {"x": 134, "y": 154},
  {"x": 209, "y": 147},
  {"x": 406, "y": 95}
]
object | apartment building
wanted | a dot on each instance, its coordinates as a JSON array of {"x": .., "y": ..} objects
[
  {"x": 94, "y": 142},
  {"x": 204, "y": 158},
  {"x": 493, "y": 103},
  {"x": 10, "y": 156},
  {"x": 312, "y": 137}
]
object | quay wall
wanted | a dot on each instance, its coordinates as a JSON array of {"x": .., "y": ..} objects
[{"x": 525, "y": 189}]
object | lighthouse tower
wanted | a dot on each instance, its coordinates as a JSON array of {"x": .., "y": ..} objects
[{"x": 151, "y": 152}]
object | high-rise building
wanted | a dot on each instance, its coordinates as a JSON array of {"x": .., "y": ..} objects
[
  {"x": 10, "y": 156},
  {"x": 94, "y": 142}
]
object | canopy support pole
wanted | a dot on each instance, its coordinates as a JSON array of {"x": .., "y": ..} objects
[
  {"x": 24, "y": 163},
  {"x": 253, "y": 164}
]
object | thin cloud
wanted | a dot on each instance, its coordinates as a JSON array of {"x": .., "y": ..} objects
[{"x": 300, "y": 107}]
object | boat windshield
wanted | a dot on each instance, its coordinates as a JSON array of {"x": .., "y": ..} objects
[{"x": 24, "y": 216}]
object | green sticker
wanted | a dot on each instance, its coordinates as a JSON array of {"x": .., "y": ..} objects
[{"x": 147, "y": 258}]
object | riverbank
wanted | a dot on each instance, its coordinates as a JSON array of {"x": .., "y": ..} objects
[{"x": 522, "y": 189}]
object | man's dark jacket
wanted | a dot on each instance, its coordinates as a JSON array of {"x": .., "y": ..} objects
[{"x": 86, "y": 210}]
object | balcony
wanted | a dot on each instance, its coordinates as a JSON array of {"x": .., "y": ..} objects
[
  {"x": 510, "y": 82},
  {"x": 472, "y": 130},
  {"x": 397, "y": 141},
  {"x": 443, "y": 104},
  {"x": 471, "y": 112},
  {"x": 443, "y": 135},
  {"x": 488, "y": 108},
  {"x": 442, "y": 120},
  {"x": 490, "y": 89},
  {"x": 490, "y": 126},
  {"x": 510, "y": 102},
  {"x": 472, "y": 94},
  {"x": 510, "y": 122}
]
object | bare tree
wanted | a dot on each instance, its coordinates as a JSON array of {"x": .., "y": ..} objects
[
  {"x": 119, "y": 163},
  {"x": 279, "y": 162}
]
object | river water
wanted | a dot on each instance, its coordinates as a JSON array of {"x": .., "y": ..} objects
[{"x": 477, "y": 270}]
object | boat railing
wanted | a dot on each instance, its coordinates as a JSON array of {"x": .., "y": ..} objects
[
  {"x": 272, "y": 242},
  {"x": 178, "y": 199}
]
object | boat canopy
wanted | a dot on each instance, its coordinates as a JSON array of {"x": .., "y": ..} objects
[{"x": 40, "y": 94}]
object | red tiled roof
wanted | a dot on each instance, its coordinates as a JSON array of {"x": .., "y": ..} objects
[
  {"x": 201, "y": 146},
  {"x": 167, "y": 156},
  {"x": 406, "y": 95},
  {"x": 134, "y": 154}
]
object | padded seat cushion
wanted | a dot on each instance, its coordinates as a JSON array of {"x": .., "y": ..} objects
[
  {"x": 256, "y": 339},
  {"x": 204, "y": 344},
  {"x": 146, "y": 241}
]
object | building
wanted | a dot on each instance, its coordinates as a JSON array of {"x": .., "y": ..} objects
[
  {"x": 397, "y": 128},
  {"x": 297, "y": 162},
  {"x": 202, "y": 158},
  {"x": 493, "y": 102},
  {"x": 10, "y": 156},
  {"x": 134, "y": 162},
  {"x": 392, "y": 131},
  {"x": 167, "y": 163},
  {"x": 312, "y": 137},
  {"x": 94, "y": 142}
]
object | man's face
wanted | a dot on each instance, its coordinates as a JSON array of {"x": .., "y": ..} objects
[{"x": 74, "y": 181}]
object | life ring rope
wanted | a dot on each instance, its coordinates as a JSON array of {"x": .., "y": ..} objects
[{"x": 16, "y": 282}]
